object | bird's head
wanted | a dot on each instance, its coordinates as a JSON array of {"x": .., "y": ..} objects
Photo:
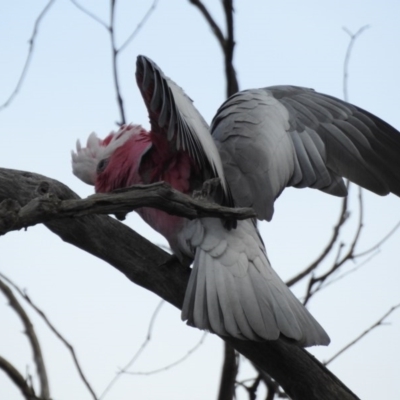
[{"x": 113, "y": 162}]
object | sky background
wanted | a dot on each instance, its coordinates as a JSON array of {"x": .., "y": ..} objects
[{"x": 68, "y": 93}]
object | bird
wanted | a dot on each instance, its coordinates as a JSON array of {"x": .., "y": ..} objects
[{"x": 259, "y": 142}]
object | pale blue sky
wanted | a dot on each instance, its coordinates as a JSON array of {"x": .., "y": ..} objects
[{"x": 69, "y": 93}]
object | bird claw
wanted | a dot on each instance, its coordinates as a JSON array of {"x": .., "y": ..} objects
[{"x": 209, "y": 190}]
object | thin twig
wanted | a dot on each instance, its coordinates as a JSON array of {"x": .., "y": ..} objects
[
  {"x": 213, "y": 25},
  {"x": 90, "y": 14},
  {"x": 29, "y": 56},
  {"x": 25, "y": 296},
  {"x": 251, "y": 390},
  {"x": 343, "y": 217},
  {"x": 26, "y": 390},
  {"x": 138, "y": 27},
  {"x": 115, "y": 53},
  {"x": 380, "y": 242},
  {"x": 173, "y": 364},
  {"x": 358, "y": 338},
  {"x": 353, "y": 38},
  {"x": 138, "y": 352},
  {"x": 31, "y": 334},
  {"x": 338, "y": 263}
]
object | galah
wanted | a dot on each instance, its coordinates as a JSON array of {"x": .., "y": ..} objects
[{"x": 260, "y": 141}]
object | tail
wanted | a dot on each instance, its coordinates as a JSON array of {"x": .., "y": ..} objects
[{"x": 233, "y": 291}]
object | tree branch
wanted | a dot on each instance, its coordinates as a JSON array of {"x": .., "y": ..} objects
[
  {"x": 174, "y": 363},
  {"x": 33, "y": 340},
  {"x": 19, "y": 381},
  {"x": 29, "y": 56},
  {"x": 138, "y": 27},
  {"x": 48, "y": 206},
  {"x": 138, "y": 352},
  {"x": 344, "y": 214},
  {"x": 353, "y": 38},
  {"x": 89, "y": 14},
  {"x": 229, "y": 372},
  {"x": 55, "y": 331},
  {"x": 232, "y": 84},
  {"x": 299, "y": 373},
  {"x": 213, "y": 25},
  {"x": 227, "y": 43},
  {"x": 358, "y": 338}
]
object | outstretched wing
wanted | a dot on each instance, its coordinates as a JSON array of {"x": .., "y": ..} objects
[
  {"x": 283, "y": 136},
  {"x": 233, "y": 290},
  {"x": 173, "y": 115}
]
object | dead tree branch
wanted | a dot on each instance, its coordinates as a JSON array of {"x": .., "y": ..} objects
[
  {"x": 175, "y": 363},
  {"x": 340, "y": 260},
  {"x": 343, "y": 217},
  {"x": 380, "y": 322},
  {"x": 229, "y": 372},
  {"x": 138, "y": 352},
  {"x": 25, "y": 296},
  {"x": 89, "y": 13},
  {"x": 48, "y": 206},
  {"x": 33, "y": 340},
  {"x": 115, "y": 50},
  {"x": 227, "y": 43},
  {"x": 299, "y": 373},
  {"x": 19, "y": 381},
  {"x": 139, "y": 26},
  {"x": 28, "y": 60},
  {"x": 353, "y": 38}
]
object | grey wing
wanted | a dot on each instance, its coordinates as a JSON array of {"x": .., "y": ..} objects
[
  {"x": 289, "y": 136},
  {"x": 173, "y": 114},
  {"x": 233, "y": 291}
]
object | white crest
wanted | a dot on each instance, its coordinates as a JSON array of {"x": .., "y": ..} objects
[{"x": 86, "y": 159}]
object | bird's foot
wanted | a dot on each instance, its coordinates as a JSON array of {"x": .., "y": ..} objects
[{"x": 209, "y": 190}]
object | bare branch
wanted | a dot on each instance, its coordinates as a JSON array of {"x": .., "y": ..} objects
[
  {"x": 137, "y": 354},
  {"x": 251, "y": 390},
  {"x": 115, "y": 53},
  {"x": 358, "y": 338},
  {"x": 29, "y": 56},
  {"x": 379, "y": 243},
  {"x": 353, "y": 38},
  {"x": 339, "y": 261},
  {"x": 173, "y": 364},
  {"x": 229, "y": 372},
  {"x": 213, "y": 25},
  {"x": 159, "y": 195},
  {"x": 25, "y": 296},
  {"x": 90, "y": 14},
  {"x": 232, "y": 84},
  {"x": 272, "y": 386},
  {"x": 344, "y": 214},
  {"x": 33, "y": 340},
  {"x": 114, "y": 50},
  {"x": 26, "y": 390},
  {"x": 138, "y": 27}
]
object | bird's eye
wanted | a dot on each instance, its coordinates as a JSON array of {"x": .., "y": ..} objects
[{"x": 101, "y": 166}]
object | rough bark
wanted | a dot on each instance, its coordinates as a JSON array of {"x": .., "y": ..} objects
[{"x": 299, "y": 373}]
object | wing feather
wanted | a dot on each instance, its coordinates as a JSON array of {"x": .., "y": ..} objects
[
  {"x": 283, "y": 136},
  {"x": 245, "y": 298},
  {"x": 173, "y": 114}
]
